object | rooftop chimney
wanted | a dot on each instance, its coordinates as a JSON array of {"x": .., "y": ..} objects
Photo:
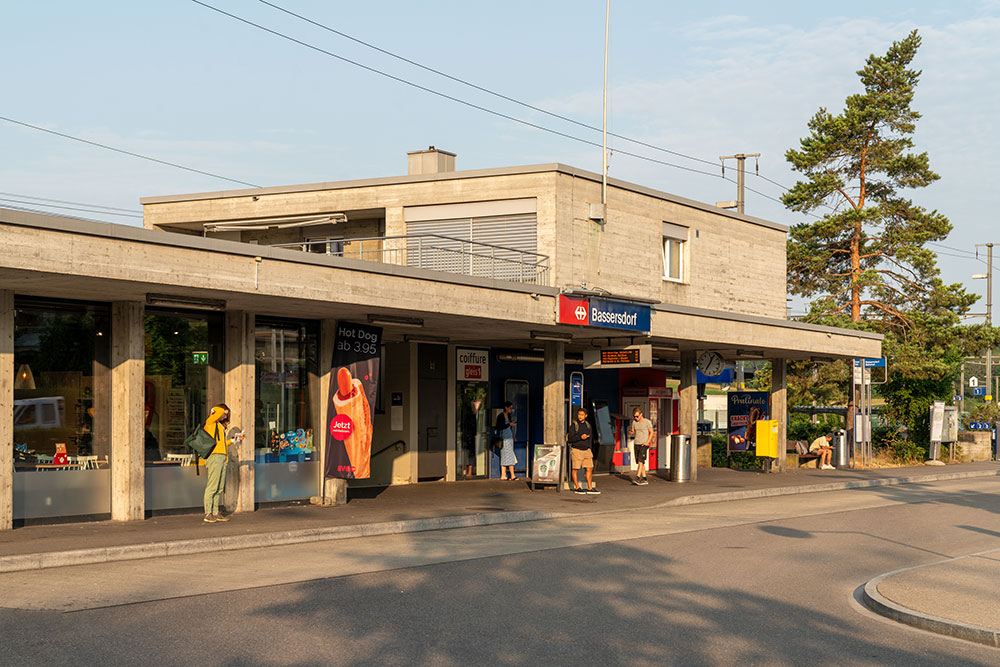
[{"x": 430, "y": 161}]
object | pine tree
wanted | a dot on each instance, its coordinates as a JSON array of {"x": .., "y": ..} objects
[{"x": 865, "y": 259}]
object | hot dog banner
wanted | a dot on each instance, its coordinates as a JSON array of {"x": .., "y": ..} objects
[
  {"x": 745, "y": 409},
  {"x": 353, "y": 388}
]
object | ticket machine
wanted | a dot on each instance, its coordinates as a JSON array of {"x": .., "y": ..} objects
[{"x": 660, "y": 406}]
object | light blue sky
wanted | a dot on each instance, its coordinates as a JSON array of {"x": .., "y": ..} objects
[{"x": 181, "y": 83}]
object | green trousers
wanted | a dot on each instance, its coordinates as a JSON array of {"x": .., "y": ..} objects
[{"x": 215, "y": 466}]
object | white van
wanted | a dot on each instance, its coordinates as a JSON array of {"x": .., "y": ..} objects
[{"x": 39, "y": 412}]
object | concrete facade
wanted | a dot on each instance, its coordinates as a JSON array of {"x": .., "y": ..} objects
[{"x": 730, "y": 298}]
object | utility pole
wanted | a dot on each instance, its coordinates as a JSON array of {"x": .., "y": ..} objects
[
  {"x": 604, "y": 148},
  {"x": 741, "y": 159},
  {"x": 989, "y": 311}
]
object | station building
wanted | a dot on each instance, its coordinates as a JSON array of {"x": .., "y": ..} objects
[{"x": 488, "y": 285}]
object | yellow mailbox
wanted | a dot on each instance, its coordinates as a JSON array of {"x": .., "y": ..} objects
[{"x": 767, "y": 438}]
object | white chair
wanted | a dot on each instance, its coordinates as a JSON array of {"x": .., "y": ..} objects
[
  {"x": 185, "y": 459},
  {"x": 89, "y": 462},
  {"x": 43, "y": 458}
]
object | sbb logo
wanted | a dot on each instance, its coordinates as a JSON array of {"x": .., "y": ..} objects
[
  {"x": 341, "y": 427},
  {"x": 581, "y": 313}
]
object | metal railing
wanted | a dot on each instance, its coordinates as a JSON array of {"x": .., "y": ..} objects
[{"x": 438, "y": 253}]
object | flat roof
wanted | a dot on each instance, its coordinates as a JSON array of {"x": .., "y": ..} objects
[
  {"x": 129, "y": 233},
  {"x": 457, "y": 175}
]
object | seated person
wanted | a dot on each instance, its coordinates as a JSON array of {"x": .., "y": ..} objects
[{"x": 822, "y": 446}]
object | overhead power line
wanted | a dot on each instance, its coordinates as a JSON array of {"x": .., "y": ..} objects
[
  {"x": 124, "y": 152},
  {"x": 483, "y": 89},
  {"x": 71, "y": 208},
  {"x": 63, "y": 201},
  {"x": 42, "y": 212},
  {"x": 499, "y": 95},
  {"x": 458, "y": 100}
]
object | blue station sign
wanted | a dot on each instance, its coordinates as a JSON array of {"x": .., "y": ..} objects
[{"x": 605, "y": 313}]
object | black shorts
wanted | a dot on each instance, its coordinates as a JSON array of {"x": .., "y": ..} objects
[{"x": 640, "y": 453}]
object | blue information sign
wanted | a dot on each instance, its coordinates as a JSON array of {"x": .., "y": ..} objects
[
  {"x": 979, "y": 391},
  {"x": 619, "y": 315},
  {"x": 979, "y": 426},
  {"x": 870, "y": 363},
  {"x": 725, "y": 377},
  {"x": 576, "y": 391}
]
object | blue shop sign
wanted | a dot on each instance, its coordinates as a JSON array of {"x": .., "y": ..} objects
[{"x": 619, "y": 315}]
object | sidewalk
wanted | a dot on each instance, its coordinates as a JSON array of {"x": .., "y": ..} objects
[
  {"x": 955, "y": 597},
  {"x": 420, "y": 507}
]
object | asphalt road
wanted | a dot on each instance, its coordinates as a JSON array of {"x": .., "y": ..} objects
[{"x": 756, "y": 582}]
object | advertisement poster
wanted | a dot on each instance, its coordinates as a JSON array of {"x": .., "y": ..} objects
[
  {"x": 548, "y": 461},
  {"x": 746, "y": 408},
  {"x": 353, "y": 389}
]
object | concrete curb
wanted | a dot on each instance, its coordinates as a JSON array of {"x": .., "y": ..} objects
[
  {"x": 821, "y": 488},
  {"x": 42, "y": 560},
  {"x": 38, "y": 561},
  {"x": 883, "y": 606}
]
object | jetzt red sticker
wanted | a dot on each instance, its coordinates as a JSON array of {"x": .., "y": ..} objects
[{"x": 341, "y": 426}]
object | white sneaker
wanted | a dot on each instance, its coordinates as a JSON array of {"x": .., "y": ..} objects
[{"x": 828, "y": 468}]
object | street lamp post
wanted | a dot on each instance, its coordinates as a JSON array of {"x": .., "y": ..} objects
[{"x": 988, "y": 276}]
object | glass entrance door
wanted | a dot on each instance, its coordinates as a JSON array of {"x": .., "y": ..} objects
[
  {"x": 473, "y": 427},
  {"x": 285, "y": 449}
]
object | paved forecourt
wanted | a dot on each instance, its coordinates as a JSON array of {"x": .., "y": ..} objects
[{"x": 81, "y": 587}]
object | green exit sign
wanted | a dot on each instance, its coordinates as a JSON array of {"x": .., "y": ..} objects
[{"x": 199, "y": 358}]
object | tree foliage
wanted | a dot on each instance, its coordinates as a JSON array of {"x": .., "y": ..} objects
[
  {"x": 866, "y": 257},
  {"x": 864, "y": 264}
]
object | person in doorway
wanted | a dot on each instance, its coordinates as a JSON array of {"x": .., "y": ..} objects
[
  {"x": 580, "y": 439},
  {"x": 505, "y": 431},
  {"x": 215, "y": 464},
  {"x": 822, "y": 446},
  {"x": 642, "y": 430}
]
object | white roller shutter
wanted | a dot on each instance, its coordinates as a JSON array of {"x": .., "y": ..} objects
[{"x": 508, "y": 237}]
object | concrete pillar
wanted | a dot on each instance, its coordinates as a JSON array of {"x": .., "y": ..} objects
[
  {"x": 779, "y": 408},
  {"x": 413, "y": 433},
  {"x": 334, "y": 491},
  {"x": 6, "y": 409},
  {"x": 454, "y": 453},
  {"x": 554, "y": 396},
  {"x": 128, "y": 372},
  {"x": 239, "y": 371},
  {"x": 688, "y": 409}
]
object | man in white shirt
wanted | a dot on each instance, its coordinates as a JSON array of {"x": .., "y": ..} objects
[{"x": 642, "y": 429}]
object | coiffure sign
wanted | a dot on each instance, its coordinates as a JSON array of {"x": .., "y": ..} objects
[
  {"x": 473, "y": 365},
  {"x": 595, "y": 312}
]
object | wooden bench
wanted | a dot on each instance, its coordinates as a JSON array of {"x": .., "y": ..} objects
[{"x": 795, "y": 460}]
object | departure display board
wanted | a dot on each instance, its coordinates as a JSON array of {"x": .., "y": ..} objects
[
  {"x": 619, "y": 357},
  {"x": 631, "y": 356}
]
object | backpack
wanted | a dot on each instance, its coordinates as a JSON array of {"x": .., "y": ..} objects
[{"x": 201, "y": 443}]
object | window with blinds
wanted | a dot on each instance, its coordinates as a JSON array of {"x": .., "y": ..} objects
[{"x": 499, "y": 246}]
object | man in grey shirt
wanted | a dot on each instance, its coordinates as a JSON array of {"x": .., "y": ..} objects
[{"x": 642, "y": 430}]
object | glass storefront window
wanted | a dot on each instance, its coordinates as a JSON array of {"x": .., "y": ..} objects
[
  {"x": 62, "y": 414},
  {"x": 473, "y": 427},
  {"x": 183, "y": 380},
  {"x": 285, "y": 447}
]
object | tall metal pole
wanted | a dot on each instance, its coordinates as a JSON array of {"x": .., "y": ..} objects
[
  {"x": 741, "y": 159},
  {"x": 604, "y": 149},
  {"x": 989, "y": 316}
]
